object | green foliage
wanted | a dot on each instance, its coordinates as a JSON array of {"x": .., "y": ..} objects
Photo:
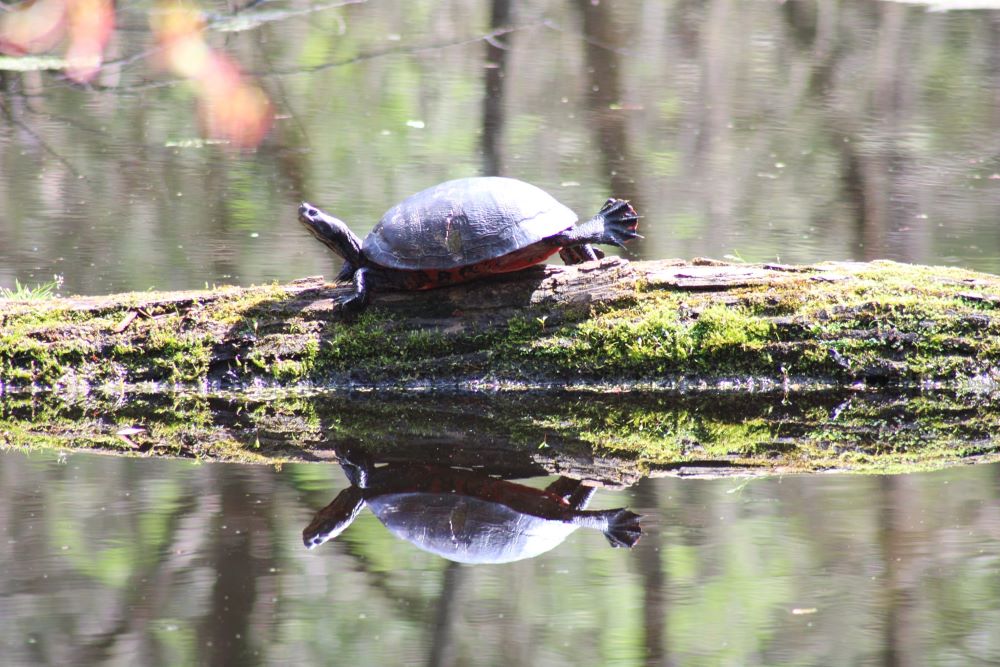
[{"x": 21, "y": 292}]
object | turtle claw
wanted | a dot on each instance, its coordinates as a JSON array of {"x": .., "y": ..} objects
[
  {"x": 580, "y": 253},
  {"x": 620, "y": 238},
  {"x": 351, "y": 305}
]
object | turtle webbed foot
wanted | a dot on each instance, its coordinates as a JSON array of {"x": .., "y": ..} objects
[
  {"x": 620, "y": 222},
  {"x": 623, "y": 529}
]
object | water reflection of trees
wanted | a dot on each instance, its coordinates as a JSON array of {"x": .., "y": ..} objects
[
  {"x": 169, "y": 563},
  {"x": 813, "y": 130}
]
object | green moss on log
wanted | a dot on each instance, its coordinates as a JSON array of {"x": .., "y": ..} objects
[{"x": 830, "y": 324}]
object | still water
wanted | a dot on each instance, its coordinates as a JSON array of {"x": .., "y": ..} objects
[
  {"x": 797, "y": 131},
  {"x": 159, "y": 562}
]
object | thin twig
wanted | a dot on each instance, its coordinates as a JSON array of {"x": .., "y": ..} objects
[
  {"x": 363, "y": 57},
  {"x": 392, "y": 51},
  {"x": 495, "y": 43}
]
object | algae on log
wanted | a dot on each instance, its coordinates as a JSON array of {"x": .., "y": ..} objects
[{"x": 661, "y": 324}]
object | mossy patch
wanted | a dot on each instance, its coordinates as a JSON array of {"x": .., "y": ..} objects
[
  {"x": 653, "y": 338},
  {"x": 49, "y": 343},
  {"x": 853, "y": 326}
]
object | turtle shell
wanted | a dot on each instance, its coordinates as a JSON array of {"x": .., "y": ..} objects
[
  {"x": 467, "y": 529},
  {"x": 465, "y": 222}
]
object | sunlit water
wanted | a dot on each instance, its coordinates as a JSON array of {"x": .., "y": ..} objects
[
  {"x": 795, "y": 131},
  {"x": 112, "y": 561},
  {"x": 761, "y": 130}
]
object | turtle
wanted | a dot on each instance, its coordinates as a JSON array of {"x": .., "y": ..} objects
[
  {"x": 465, "y": 229},
  {"x": 467, "y": 516}
]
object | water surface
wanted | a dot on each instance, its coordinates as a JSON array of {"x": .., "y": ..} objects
[
  {"x": 795, "y": 131},
  {"x": 132, "y": 561}
]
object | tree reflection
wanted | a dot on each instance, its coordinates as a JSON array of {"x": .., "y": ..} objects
[
  {"x": 608, "y": 112},
  {"x": 157, "y": 562},
  {"x": 494, "y": 99},
  {"x": 804, "y": 130}
]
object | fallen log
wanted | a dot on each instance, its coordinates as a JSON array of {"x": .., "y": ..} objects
[{"x": 608, "y": 324}]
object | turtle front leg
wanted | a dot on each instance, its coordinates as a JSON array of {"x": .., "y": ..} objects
[{"x": 354, "y": 303}]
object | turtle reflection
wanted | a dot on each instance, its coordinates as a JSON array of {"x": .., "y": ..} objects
[{"x": 467, "y": 516}]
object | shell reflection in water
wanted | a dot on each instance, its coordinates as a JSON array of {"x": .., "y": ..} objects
[{"x": 466, "y": 516}]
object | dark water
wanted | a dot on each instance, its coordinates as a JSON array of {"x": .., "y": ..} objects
[
  {"x": 112, "y": 561},
  {"x": 799, "y": 131}
]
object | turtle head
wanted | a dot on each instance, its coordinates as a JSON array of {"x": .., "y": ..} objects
[
  {"x": 331, "y": 232},
  {"x": 334, "y": 519}
]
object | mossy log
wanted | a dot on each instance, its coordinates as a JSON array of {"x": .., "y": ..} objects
[{"x": 607, "y": 324}]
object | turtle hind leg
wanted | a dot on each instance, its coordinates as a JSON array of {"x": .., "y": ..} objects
[
  {"x": 573, "y": 491},
  {"x": 581, "y": 496},
  {"x": 622, "y": 529},
  {"x": 614, "y": 224},
  {"x": 578, "y": 254}
]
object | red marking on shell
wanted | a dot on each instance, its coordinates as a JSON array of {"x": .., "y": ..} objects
[{"x": 515, "y": 261}]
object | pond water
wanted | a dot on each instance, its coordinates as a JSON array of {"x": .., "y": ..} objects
[
  {"x": 795, "y": 131},
  {"x": 158, "y": 562}
]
